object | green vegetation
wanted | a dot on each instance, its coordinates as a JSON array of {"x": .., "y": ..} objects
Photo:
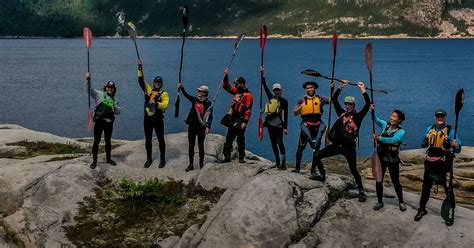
[
  {"x": 136, "y": 214},
  {"x": 33, "y": 149},
  {"x": 208, "y": 17}
]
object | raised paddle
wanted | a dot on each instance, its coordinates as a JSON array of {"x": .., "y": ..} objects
[
  {"x": 334, "y": 52},
  {"x": 90, "y": 113},
  {"x": 236, "y": 47},
  {"x": 185, "y": 14},
  {"x": 447, "y": 209},
  {"x": 313, "y": 73},
  {"x": 132, "y": 31},
  {"x": 263, "y": 41},
  {"x": 376, "y": 166}
]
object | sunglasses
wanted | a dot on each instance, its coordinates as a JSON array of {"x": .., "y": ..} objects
[{"x": 440, "y": 116}]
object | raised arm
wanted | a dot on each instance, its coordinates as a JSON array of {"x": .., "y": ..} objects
[
  {"x": 381, "y": 123},
  {"x": 188, "y": 96},
  {"x": 335, "y": 101},
  {"x": 226, "y": 83},
  {"x": 267, "y": 90},
  {"x": 141, "y": 79}
]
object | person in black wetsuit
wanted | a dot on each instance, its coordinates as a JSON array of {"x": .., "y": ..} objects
[
  {"x": 156, "y": 103},
  {"x": 276, "y": 121},
  {"x": 344, "y": 134},
  {"x": 104, "y": 116},
  {"x": 199, "y": 122}
]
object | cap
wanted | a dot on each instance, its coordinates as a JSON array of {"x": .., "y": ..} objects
[
  {"x": 441, "y": 112},
  {"x": 349, "y": 99},
  {"x": 110, "y": 84},
  {"x": 203, "y": 88},
  {"x": 158, "y": 79},
  {"x": 311, "y": 83},
  {"x": 277, "y": 86}
]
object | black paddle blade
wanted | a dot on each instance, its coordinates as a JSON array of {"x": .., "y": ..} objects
[
  {"x": 185, "y": 13},
  {"x": 176, "y": 107},
  {"x": 459, "y": 101},
  {"x": 312, "y": 73},
  {"x": 132, "y": 30},
  {"x": 447, "y": 209}
]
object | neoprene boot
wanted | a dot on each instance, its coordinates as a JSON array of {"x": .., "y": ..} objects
[
  {"x": 421, "y": 212},
  {"x": 148, "y": 163},
  {"x": 283, "y": 165},
  {"x": 189, "y": 168}
]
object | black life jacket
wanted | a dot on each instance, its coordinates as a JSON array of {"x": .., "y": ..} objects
[
  {"x": 389, "y": 152},
  {"x": 344, "y": 129}
]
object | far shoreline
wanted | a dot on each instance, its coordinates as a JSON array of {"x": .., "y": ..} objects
[{"x": 273, "y": 37}]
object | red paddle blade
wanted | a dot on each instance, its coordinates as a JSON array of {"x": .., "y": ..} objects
[
  {"x": 263, "y": 36},
  {"x": 376, "y": 167},
  {"x": 260, "y": 129},
  {"x": 90, "y": 120},
  {"x": 334, "y": 43},
  {"x": 368, "y": 56},
  {"x": 87, "y": 37}
]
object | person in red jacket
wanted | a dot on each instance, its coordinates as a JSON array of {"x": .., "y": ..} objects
[{"x": 238, "y": 116}]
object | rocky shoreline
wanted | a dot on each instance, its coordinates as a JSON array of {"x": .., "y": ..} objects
[{"x": 260, "y": 207}]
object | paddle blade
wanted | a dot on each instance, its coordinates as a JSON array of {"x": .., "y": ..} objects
[
  {"x": 334, "y": 43},
  {"x": 90, "y": 120},
  {"x": 260, "y": 128},
  {"x": 132, "y": 30},
  {"x": 447, "y": 209},
  {"x": 176, "y": 107},
  {"x": 185, "y": 14},
  {"x": 376, "y": 167},
  {"x": 263, "y": 36},
  {"x": 459, "y": 101},
  {"x": 87, "y": 37},
  {"x": 312, "y": 73},
  {"x": 239, "y": 39},
  {"x": 368, "y": 56}
]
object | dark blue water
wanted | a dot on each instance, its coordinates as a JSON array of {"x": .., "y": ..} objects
[{"x": 42, "y": 81}]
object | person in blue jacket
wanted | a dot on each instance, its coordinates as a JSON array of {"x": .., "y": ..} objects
[
  {"x": 441, "y": 143},
  {"x": 199, "y": 122},
  {"x": 388, "y": 147}
]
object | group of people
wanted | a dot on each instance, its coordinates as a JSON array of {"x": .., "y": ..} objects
[{"x": 342, "y": 137}]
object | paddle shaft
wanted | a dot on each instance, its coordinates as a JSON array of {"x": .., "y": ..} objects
[
  {"x": 230, "y": 64},
  {"x": 88, "y": 80},
  {"x": 332, "y": 89},
  {"x": 373, "y": 112},
  {"x": 354, "y": 84},
  {"x": 136, "y": 49}
]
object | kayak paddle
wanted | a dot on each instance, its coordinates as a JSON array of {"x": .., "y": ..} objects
[
  {"x": 376, "y": 166},
  {"x": 263, "y": 41},
  {"x": 132, "y": 31},
  {"x": 90, "y": 113},
  {"x": 313, "y": 73},
  {"x": 334, "y": 52},
  {"x": 185, "y": 13},
  {"x": 447, "y": 209},
  {"x": 236, "y": 47}
]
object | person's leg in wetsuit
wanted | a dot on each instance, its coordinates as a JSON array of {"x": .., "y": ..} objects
[
  {"x": 201, "y": 136},
  {"x": 281, "y": 146},
  {"x": 394, "y": 170},
  {"x": 299, "y": 152},
  {"x": 229, "y": 139},
  {"x": 379, "y": 187},
  {"x": 98, "y": 129},
  {"x": 148, "y": 128},
  {"x": 326, "y": 152},
  {"x": 192, "y": 133},
  {"x": 275, "y": 135},
  {"x": 108, "y": 129},
  {"x": 241, "y": 144},
  {"x": 350, "y": 153},
  {"x": 159, "y": 127}
]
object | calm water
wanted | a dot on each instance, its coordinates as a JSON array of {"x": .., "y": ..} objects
[{"x": 42, "y": 81}]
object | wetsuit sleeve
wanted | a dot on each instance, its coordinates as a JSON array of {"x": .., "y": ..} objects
[
  {"x": 381, "y": 123},
  {"x": 188, "y": 96},
  {"x": 141, "y": 80},
  {"x": 324, "y": 100},
  {"x": 227, "y": 87},
  {"x": 451, "y": 138},
  {"x": 366, "y": 107},
  {"x": 424, "y": 141},
  {"x": 96, "y": 95},
  {"x": 247, "y": 102},
  {"x": 284, "y": 102},
  {"x": 337, "y": 105},
  {"x": 397, "y": 137},
  {"x": 165, "y": 100},
  {"x": 267, "y": 90}
]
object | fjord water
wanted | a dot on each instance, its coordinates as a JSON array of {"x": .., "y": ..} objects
[{"x": 43, "y": 88}]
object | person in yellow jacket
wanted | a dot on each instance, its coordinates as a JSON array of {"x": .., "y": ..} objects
[
  {"x": 310, "y": 108},
  {"x": 156, "y": 103}
]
